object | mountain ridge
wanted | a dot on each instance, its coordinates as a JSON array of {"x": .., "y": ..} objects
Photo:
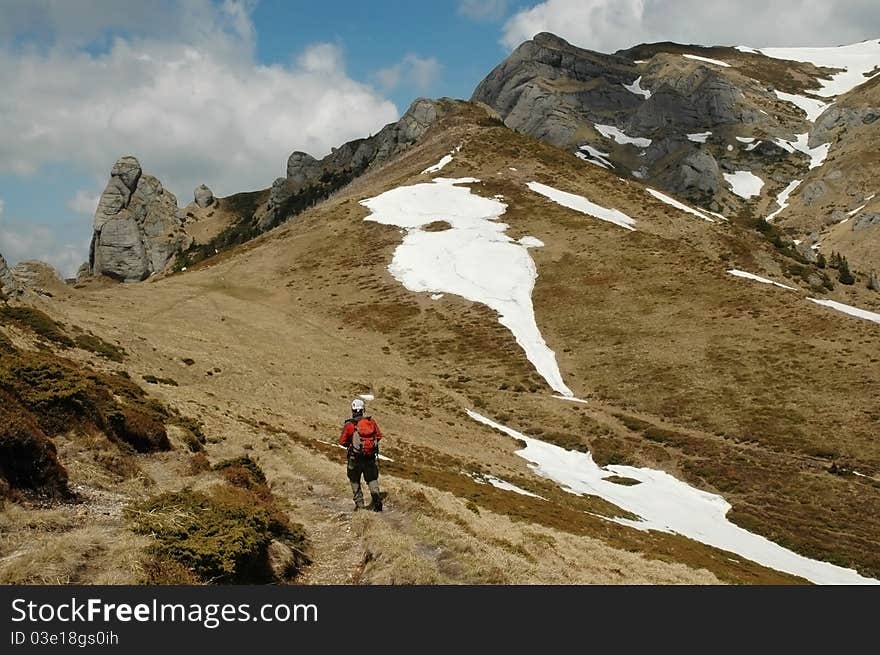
[{"x": 689, "y": 363}]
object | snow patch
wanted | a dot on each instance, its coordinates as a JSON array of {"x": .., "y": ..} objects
[
  {"x": 817, "y": 155},
  {"x": 752, "y": 146},
  {"x": 662, "y": 197},
  {"x": 666, "y": 504},
  {"x": 572, "y": 400},
  {"x": 699, "y": 137},
  {"x": 745, "y": 139},
  {"x": 848, "y": 309},
  {"x": 855, "y": 61},
  {"x": 595, "y": 156},
  {"x": 707, "y": 60},
  {"x": 530, "y": 242},
  {"x": 438, "y": 166},
  {"x": 745, "y": 184},
  {"x": 498, "y": 483},
  {"x": 782, "y": 198},
  {"x": 581, "y": 204},
  {"x": 810, "y": 106},
  {"x": 857, "y": 210},
  {"x": 757, "y": 278},
  {"x": 636, "y": 88},
  {"x": 473, "y": 259},
  {"x": 611, "y": 132},
  {"x": 436, "y": 296},
  {"x": 367, "y": 396}
]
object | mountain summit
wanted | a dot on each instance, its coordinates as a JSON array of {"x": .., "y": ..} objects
[{"x": 737, "y": 131}]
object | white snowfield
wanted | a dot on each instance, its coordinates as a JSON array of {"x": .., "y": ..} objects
[
  {"x": 662, "y": 197},
  {"x": 498, "y": 483},
  {"x": 817, "y": 155},
  {"x": 611, "y": 132},
  {"x": 848, "y": 309},
  {"x": 636, "y": 88},
  {"x": 833, "y": 304},
  {"x": 438, "y": 166},
  {"x": 745, "y": 184},
  {"x": 782, "y": 199},
  {"x": 595, "y": 156},
  {"x": 757, "y": 278},
  {"x": 810, "y": 106},
  {"x": 581, "y": 204},
  {"x": 699, "y": 137},
  {"x": 666, "y": 504},
  {"x": 856, "y": 61},
  {"x": 473, "y": 259},
  {"x": 707, "y": 60}
]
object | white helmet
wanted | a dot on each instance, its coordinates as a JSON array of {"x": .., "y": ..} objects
[{"x": 357, "y": 406}]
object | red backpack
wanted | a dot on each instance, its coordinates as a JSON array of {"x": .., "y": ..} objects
[{"x": 364, "y": 441}]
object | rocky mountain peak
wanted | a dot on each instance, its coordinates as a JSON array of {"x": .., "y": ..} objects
[
  {"x": 8, "y": 284},
  {"x": 137, "y": 228}
]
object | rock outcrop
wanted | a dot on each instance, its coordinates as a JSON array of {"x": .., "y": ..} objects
[
  {"x": 203, "y": 196},
  {"x": 866, "y": 220},
  {"x": 39, "y": 277},
  {"x": 699, "y": 171},
  {"x": 309, "y": 180},
  {"x": 137, "y": 230},
  {"x": 9, "y": 286},
  {"x": 688, "y": 110}
]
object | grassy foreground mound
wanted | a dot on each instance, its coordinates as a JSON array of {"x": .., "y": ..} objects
[{"x": 235, "y": 533}]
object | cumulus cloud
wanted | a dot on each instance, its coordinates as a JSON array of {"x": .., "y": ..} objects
[
  {"x": 21, "y": 241},
  {"x": 419, "y": 72},
  {"x": 83, "y": 203},
  {"x": 609, "y": 25},
  {"x": 482, "y": 10},
  {"x": 195, "y": 109}
]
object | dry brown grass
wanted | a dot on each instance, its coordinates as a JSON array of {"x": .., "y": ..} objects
[{"x": 757, "y": 382}]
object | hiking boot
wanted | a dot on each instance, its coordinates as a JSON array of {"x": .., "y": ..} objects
[{"x": 376, "y": 505}]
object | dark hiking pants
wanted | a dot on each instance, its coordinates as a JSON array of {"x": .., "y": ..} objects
[{"x": 368, "y": 467}]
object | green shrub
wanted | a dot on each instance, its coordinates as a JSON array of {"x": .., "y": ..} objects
[
  {"x": 222, "y": 536},
  {"x": 36, "y": 321},
  {"x": 242, "y": 472},
  {"x": 152, "y": 379},
  {"x": 62, "y": 395},
  {"x": 100, "y": 347},
  {"x": 28, "y": 459}
]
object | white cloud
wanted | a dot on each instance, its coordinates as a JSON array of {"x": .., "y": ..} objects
[
  {"x": 322, "y": 58},
  {"x": 193, "y": 110},
  {"x": 20, "y": 241},
  {"x": 83, "y": 203},
  {"x": 420, "y": 72},
  {"x": 482, "y": 10},
  {"x": 609, "y": 25}
]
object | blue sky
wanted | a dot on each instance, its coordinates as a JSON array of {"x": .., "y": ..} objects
[{"x": 221, "y": 91}]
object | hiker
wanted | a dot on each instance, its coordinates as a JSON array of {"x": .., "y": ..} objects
[{"x": 361, "y": 436}]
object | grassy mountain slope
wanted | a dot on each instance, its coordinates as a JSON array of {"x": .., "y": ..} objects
[{"x": 740, "y": 388}]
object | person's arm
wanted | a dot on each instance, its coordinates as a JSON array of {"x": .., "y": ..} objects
[
  {"x": 378, "y": 431},
  {"x": 347, "y": 433}
]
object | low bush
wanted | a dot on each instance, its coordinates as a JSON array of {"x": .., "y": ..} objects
[{"x": 221, "y": 537}]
